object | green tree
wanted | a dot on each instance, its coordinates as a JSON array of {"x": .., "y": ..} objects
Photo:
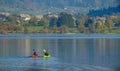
[
  {"x": 53, "y": 22},
  {"x": 45, "y": 23},
  {"x": 40, "y": 23},
  {"x": 90, "y": 25},
  {"x": 55, "y": 29},
  {"x": 81, "y": 26},
  {"x": 33, "y": 21},
  {"x": 80, "y": 23},
  {"x": 4, "y": 29},
  {"x": 65, "y": 19}
]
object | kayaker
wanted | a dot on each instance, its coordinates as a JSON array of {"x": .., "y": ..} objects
[
  {"x": 34, "y": 52},
  {"x": 45, "y": 52}
]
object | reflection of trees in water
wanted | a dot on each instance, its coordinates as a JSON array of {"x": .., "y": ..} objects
[
  {"x": 5, "y": 48},
  {"x": 74, "y": 49},
  {"x": 27, "y": 47}
]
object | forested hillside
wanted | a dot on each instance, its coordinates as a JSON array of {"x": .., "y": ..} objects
[
  {"x": 43, "y": 6},
  {"x": 102, "y": 12}
]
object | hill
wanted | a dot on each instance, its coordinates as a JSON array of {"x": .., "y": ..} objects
[
  {"x": 53, "y": 6},
  {"x": 102, "y": 12}
]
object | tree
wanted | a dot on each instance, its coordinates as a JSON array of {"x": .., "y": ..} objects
[
  {"x": 109, "y": 22},
  {"x": 45, "y": 23},
  {"x": 11, "y": 19},
  {"x": 55, "y": 29},
  {"x": 65, "y": 19},
  {"x": 5, "y": 28},
  {"x": 63, "y": 29},
  {"x": 117, "y": 21},
  {"x": 19, "y": 28},
  {"x": 53, "y": 22},
  {"x": 33, "y": 21},
  {"x": 80, "y": 24},
  {"x": 12, "y": 27},
  {"x": 40, "y": 23},
  {"x": 102, "y": 27}
]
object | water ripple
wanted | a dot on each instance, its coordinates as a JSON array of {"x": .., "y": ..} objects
[{"x": 40, "y": 64}]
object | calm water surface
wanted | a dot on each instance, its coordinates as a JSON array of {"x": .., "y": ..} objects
[{"x": 68, "y": 52}]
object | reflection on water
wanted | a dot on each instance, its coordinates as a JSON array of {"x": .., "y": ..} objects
[{"x": 69, "y": 54}]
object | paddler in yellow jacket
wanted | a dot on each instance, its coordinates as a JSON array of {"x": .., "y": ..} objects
[{"x": 45, "y": 52}]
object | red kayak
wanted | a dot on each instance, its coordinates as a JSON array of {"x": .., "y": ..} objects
[{"x": 35, "y": 56}]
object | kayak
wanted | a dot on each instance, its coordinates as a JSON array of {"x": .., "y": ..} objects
[
  {"x": 35, "y": 56},
  {"x": 47, "y": 56}
]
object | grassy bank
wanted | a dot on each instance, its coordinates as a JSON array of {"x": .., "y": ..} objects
[{"x": 41, "y": 29}]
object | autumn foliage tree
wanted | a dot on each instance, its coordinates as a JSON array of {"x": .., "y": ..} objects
[
  {"x": 109, "y": 22},
  {"x": 4, "y": 29},
  {"x": 19, "y": 28},
  {"x": 101, "y": 27}
]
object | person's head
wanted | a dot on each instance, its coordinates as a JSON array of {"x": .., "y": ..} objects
[
  {"x": 44, "y": 51},
  {"x": 33, "y": 49}
]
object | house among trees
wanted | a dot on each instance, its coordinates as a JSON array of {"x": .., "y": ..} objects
[
  {"x": 25, "y": 17},
  {"x": 3, "y": 16},
  {"x": 101, "y": 19}
]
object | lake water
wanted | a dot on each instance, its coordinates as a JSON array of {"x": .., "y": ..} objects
[{"x": 93, "y": 52}]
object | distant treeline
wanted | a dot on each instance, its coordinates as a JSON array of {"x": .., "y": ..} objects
[
  {"x": 59, "y": 24},
  {"x": 102, "y": 12}
]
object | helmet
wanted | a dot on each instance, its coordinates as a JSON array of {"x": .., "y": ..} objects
[{"x": 44, "y": 50}]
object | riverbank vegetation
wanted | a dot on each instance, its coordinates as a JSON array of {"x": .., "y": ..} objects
[{"x": 60, "y": 23}]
